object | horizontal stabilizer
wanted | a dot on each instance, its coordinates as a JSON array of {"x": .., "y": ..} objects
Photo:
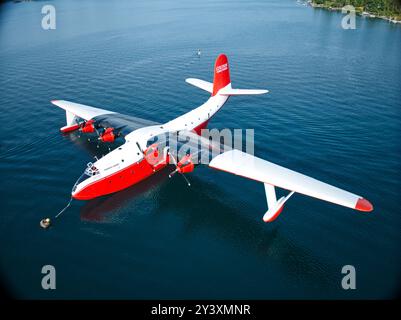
[
  {"x": 248, "y": 166},
  {"x": 202, "y": 84},
  {"x": 240, "y": 92}
]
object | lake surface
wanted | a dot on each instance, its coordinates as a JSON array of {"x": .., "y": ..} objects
[{"x": 333, "y": 112}]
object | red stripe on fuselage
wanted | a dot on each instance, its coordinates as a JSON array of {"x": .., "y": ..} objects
[{"x": 119, "y": 180}]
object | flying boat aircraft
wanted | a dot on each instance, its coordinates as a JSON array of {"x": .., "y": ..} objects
[{"x": 141, "y": 156}]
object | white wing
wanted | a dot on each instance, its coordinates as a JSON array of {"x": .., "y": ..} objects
[
  {"x": 80, "y": 110},
  {"x": 251, "y": 167}
]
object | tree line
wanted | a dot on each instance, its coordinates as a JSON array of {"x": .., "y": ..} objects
[{"x": 388, "y": 8}]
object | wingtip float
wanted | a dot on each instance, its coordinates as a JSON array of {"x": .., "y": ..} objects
[{"x": 128, "y": 165}]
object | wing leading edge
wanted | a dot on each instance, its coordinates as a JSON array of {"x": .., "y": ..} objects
[
  {"x": 248, "y": 166},
  {"x": 74, "y": 110},
  {"x": 80, "y": 110}
]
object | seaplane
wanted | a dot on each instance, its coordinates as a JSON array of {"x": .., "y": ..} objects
[{"x": 142, "y": 154}]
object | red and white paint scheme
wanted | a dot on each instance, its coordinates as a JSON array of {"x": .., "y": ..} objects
[{"x": 137, "y": 159}]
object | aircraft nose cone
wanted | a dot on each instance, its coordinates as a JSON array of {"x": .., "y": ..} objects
[
  {"x": 78, "y": 195},
  {"x": 74, "y": 194},
  {"x": 364, "y": 205}
]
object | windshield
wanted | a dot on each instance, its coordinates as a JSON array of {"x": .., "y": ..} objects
[{"x": 90, "y": 171}]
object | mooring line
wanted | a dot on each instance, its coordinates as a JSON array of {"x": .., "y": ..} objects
[
  {"x": 68, "y": 204},
  {"x": 46, "y": 222}
]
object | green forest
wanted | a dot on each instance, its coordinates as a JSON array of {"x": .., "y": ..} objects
[{"x": 387, "y": 8}]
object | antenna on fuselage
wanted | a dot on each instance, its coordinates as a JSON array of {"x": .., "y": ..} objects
[{"x": 139, "y": 147}]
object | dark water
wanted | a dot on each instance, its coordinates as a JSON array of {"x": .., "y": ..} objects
[{"x": 333, "y": 112}]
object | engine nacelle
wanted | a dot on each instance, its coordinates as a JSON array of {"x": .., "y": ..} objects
[
  {"x": 152, "y": 154},
  {"x": 108, "y": 135},
  {"x": 88, "y": 127},
  {"x": 185, "y": 165}
]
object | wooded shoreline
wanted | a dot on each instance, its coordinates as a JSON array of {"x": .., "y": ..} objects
[{"x": 389, "y": 10}]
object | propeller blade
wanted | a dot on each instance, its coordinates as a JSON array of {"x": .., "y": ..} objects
[
  {"x": 97, "y": 132},
  {"x": 79, "y": 126},
  {"x": 172, "y": 157},
  {"x": 177, "y": 170},
  {"x": 186, "y": 179}
]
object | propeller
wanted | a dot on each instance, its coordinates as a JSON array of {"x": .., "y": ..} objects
[
  {"x": 80, "y": 124},
  {"x": 178, "y": 170},
  {"x": 110, "y": 134},
  {"x": 86, "y": 126},
  {"x": 97, "y": 126}
]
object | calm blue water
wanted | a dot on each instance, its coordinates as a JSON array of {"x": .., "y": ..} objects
[{"x": 333, "y": 112}]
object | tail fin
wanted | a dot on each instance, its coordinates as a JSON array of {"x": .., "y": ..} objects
[
  {"x": 221, "y": 83},
  {"x": 221, "y": 74}
]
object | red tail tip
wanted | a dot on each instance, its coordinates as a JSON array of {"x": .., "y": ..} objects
[{"x": 364, "y": 205}]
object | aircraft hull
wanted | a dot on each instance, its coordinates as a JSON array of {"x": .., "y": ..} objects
[{"x": 119, "y": 180}]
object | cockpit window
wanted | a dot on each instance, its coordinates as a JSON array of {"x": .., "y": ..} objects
[{"x": 91, "y": 170}]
